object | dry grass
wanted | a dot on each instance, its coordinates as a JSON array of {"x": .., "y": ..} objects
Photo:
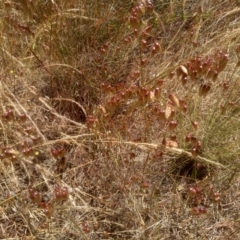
[{"x": 119, "y": 120}]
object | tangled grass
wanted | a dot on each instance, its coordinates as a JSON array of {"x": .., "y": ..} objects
[{"x": 119, "y": 120}]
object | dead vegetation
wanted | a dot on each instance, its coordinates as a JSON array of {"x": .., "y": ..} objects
[{"x": 119, "y": 120}]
